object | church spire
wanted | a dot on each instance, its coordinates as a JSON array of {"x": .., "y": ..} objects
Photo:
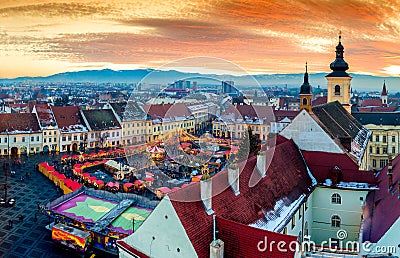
[
  {"x": 339, "y": 66},
  {"x": 384, "y": 95},
  {"x": 384, "y": 92},
  {"x": 306, "y": 93},
  {"x": 306, "y": 87}
]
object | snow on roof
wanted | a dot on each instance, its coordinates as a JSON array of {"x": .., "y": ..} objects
[{"x": 277, "y": 218}]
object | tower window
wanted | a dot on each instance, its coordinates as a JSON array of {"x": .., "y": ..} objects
[
  {"x": 335, "y": 221},
  {"x": 336, "y": 198},
  {"x": 305, "y": 102},
  {"x": 337, "y": 90}
]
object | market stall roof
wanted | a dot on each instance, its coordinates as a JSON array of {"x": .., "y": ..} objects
[
  {"x": 156, "y": 150},
  {"x": 133, "y": 215},
  {"x": 113, "y": 164},
  {"x": 85, "y": 208},
  {"x": 164, "y": 190}
]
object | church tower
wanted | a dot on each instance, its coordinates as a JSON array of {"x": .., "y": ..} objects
[
  {"x": 384, "y": 96},
  {"x": 339, "y": 79},
  {"x": 306, "y": 94}
]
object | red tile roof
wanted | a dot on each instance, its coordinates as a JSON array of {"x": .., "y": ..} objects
[
  {"x": 319, "y": 101},
  {"x": 243, "y": 241},
  {"x": 382, "y": 208},
  {"x": 18, "y": 122},
  {"x": 45, "y": 115},
  {"x": 281, "y": 114},
  {"x": 67, "y": 116},
  {"x": 321, "y": 164},
  {"x": 286, "y": 177},
  {"x": 167, "y": 110},
  {"x": 377, "y": 109},
  {"x": 371, "y": 103},
  {"x": 130, "y": 249},
  {"x": 253, "y": 111}
]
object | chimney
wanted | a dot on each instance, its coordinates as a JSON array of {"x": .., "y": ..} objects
[
  {"x": 390, "y": 173},
  {"x": 262, "y": 163},
  {"x": 217, "y": 245},
  {"x": 233, "y": 177},
  {"x": 206, "y": 194}
]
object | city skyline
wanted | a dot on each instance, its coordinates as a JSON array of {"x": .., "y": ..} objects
[{"x": 50, "y": 37}]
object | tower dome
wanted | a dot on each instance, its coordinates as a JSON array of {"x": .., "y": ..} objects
[{"x": 339, "y": 66}]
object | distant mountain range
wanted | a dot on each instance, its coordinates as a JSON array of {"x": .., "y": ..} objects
[{"x": 359, "y": 82}]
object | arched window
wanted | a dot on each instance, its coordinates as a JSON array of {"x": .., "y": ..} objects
[
  {"x": 305, "y": 102},
  {"x": 336, "y": 198},
  {"x": 337, "y": 90},
  {"x": 335, "y": 221}
]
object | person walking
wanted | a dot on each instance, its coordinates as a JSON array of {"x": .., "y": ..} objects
[
  {"x": 10, "y": 223},
  {"x": 35, "y": 218}
]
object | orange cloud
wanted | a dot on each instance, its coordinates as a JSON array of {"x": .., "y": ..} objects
[{"x": 275, "y": 36}]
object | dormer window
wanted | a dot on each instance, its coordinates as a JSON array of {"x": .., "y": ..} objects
[{"x": 337, "y": 90}]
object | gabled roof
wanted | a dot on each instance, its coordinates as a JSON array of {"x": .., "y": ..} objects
[
  {"x": 68, "y": 118},
  {"x": 321, "y": 164},
  {"x": 243, "y": 241},
  {"x": 337, "y": 120},
  {"x": 281, "y": 114},
  {"x": 341, "y": 125},
  {"x": 256, "y": 111},
  {"x": 101, "y": 119},
  {"x": 119, "y": 108},
  {"x": 382, "y": 208},
  {"x": 252, "y": 202},
  {"x": 128, "y": 111},
  {"x": 18, "y": 123},
  {"x": 45, "y": 115},
  {"x": 167, "y": 110},
  {"x": 378, "y": 118},
  {"x": 371, "y": 103}
]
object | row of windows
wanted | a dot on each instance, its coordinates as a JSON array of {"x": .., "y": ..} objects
[
  {"x": 137, "y": 132},
  {"x": 133, "y": 125},
  {"x": 384, "y": 138},
  {"x": 384, "y": 150},
  {"x": 23, "y": 139},
  {"x": 253, "y": 128},
  {"x": 5, "y": 151},
  {"x": 54, "y": 132},
  {"x": 113, "y": 134},
  {"x": 55, "y": 140},
  {"x": 382, "y": 163}
]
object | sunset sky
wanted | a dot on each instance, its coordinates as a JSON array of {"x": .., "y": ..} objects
[{"x": 43, "y": 37}]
